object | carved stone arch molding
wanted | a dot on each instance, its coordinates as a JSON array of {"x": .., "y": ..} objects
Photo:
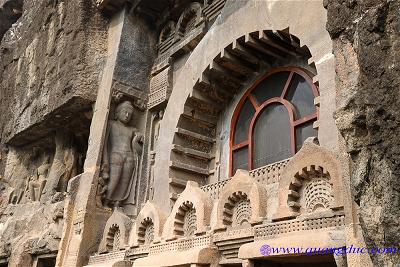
[
  {"x": 116, "y": 232},
  {"x": 241, "y": 189},
  {"x": 320, "y": 170},
  {"x": 190, "y": 214},
  {"x": 190, "y": 17},
  {"x": 148, "y": 226},
  {"x": 167, "y": 31},
  {"x": 234, "y": 49}
]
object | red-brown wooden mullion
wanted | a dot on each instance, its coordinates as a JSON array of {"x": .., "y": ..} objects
[
  {"x": 253, "y": 101},
  {"x": 292, "y": 138},
  {"x": 287, "y": 85},
  {"x": 240, "y": 145},
  {"x": 306, "y": 119}
]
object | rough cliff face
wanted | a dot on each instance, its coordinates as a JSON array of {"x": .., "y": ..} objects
[
  {"x": 366, "y": 36},
  {"x": 52, "y": 54}
]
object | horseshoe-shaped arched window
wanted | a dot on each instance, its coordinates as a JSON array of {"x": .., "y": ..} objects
[{"x": 273, "y": 118}]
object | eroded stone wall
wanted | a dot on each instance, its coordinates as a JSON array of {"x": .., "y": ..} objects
[
  {"x": 367, "y": 51},
  {"x": 52, "y": 58}
]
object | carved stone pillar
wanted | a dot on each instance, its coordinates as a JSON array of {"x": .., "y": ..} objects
[
  {"x": 129, "y": 55},
  {"x": 80, "y": 231}
]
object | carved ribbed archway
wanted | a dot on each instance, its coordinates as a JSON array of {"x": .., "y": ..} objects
[{"x": 247, "y": 57}]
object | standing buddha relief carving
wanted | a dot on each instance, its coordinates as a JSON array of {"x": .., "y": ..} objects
[{"x": 121, "y": 159}]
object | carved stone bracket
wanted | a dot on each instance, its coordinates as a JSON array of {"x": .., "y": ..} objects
[{"x": 121, "y": 90}]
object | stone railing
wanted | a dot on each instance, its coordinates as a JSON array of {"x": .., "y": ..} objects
[
  {"x": 271, "y": 173},
  {"x": 214, "y": 189},
  {"x": 182, "y": 244},
  {"x": 273, "y": 229},
  {"x": 265, "y": 175},
  {"x": 109, "y": 257}
]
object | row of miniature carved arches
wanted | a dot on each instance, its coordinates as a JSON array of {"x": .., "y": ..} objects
[
  {"x": 187, "y": 21},
  {"x": 192, "y": 211}
]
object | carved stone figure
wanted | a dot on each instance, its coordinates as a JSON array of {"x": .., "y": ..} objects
[
  {"x": 64, "y": 165},
  {"x": 38, "y": 181},
  {"x": 121, "y": 157},
  {"x": 18, "y": 180},
  {"x": 70, "y": 168}
]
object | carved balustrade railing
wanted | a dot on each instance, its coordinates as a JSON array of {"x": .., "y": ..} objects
[
  {"x": 182, "y": 244},
  {"x": 267, "y": 174}
]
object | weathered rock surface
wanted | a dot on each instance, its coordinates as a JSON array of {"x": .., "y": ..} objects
[
  {"x": 50, "y": 69},
  {"x": 52, "y": 55},
  {"x": 366, "y": 37},
  {"x": 30, "y": 229}
]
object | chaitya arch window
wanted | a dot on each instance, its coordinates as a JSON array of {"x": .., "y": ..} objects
[{"x": 273, "y": 118}]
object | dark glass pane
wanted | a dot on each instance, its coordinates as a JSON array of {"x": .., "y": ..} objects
[
  {"x": 303, "y": 132},
  {"x": 243, "y": 122},
  {"x": 301, "y": 96},
  {"x": 272, "y": 136},
  {"x": 240, "y": 159},
  {"x": 271, "y": 87}
]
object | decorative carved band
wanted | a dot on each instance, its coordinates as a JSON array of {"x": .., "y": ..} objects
[
  {"x": 265, "y": 175},
  {"x": 273, "y": 229},
  {"x": 271, "y": 173},
  {"x": 214, "y": 189},
  {"x": 234, "y": 234},
  {"x": 182, "y": 244},
  {"x": 113, "y": 256}
]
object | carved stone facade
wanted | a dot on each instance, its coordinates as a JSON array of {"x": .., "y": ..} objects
[{"x": 188, "y": 133}]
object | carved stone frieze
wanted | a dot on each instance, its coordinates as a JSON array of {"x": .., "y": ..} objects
[{"x": 272, "y": 230}]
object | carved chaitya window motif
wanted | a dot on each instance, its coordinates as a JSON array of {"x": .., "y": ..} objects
[
  {"x": 146, "y": 231},
  {"x": 167, "y": 31},
  {"x": 113, "y": 238},
  {"x": 188, "y": 19},
  {"x": 237, "y": 211},
  {"x": 311, "y": 190},
  {"x": 273, "y": 119},
  {"x": 185, "y": 220}
]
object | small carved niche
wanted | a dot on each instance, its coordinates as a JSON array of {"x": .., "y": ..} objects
[
  {"x": 189, "y": 19},
  {"x": 146, "y": 232},
  {"x": 113, "y": 238},
  {"x": 185, "y": 220},
  {"x": 237, "y": 211},
  {"x": 311, "y": 190}
]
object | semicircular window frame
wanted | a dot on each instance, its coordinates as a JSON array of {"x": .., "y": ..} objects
[{"x": 280, "y": 86}]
